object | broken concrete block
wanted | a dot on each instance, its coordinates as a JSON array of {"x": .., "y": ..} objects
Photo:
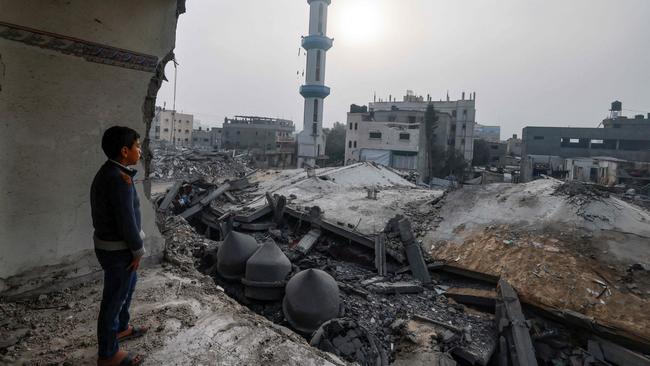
[
  {"x": 396, "y": 287},
  {"x": 308, "y": 241}
]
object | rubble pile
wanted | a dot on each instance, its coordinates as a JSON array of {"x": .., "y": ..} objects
[
  {"x": 172, "y": 163},
  {"x": 581, "y": 192},
  {"x": 367, "y": 229}
]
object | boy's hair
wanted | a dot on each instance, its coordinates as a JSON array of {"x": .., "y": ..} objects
[{"x": 117, "y": 137}]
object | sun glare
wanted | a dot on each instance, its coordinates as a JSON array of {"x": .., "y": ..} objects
[{"x": 359, "y": 22}]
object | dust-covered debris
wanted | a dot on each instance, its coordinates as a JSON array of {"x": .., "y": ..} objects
[{"x": 174, "y": 163}]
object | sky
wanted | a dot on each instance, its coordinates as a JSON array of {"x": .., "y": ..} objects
[{"x": 530, "y": 62}]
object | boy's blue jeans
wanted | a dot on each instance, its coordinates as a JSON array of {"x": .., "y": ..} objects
[{"x": 119, "y": 283}]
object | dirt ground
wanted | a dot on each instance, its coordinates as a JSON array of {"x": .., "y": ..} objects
[{"x": 557, "y": 274}]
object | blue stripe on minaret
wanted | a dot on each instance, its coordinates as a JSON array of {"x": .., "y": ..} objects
[
  {"x": 315, "y": 42},
  {"x": 314, "y": 91}
]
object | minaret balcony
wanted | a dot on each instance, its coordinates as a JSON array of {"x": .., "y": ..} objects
[
  {"x": 328, "y": 2},
  {"x": 314, "y": 91},
  {"x": 316, "y": 42}
]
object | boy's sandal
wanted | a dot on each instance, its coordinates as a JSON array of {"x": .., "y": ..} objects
[
  {"x": 127, "y": 359},
  {"x": 135, "y": 332},
  {"x": 131, "y": 360}
]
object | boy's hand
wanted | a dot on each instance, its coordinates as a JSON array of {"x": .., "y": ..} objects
[{"x": 135, "y": 264}]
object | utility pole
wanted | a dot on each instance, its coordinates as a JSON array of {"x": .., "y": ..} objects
[{"x": 174, "y": 103}]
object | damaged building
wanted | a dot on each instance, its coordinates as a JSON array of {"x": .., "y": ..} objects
[
  {"x": 544, "y": 149},
  {"x": 268, "y": 141},
  {"x": 389, "y": 132}
]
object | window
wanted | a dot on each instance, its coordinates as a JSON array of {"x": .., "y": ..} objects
[
  {"x": 573, "y": 142},
  {"x": 166, "y": 130},
  {"x": 351, "y": 126},
  {"x": 157, "y": 128},
  {"x": 453, "y": 113},
  {"x": 187, "y": 131},
  {"x": 538, "y": 138},
  {"x": 238, "y": 132},
  {"x": 318, "y": 65},
  {"x": 320, "y": 18},
  {"x": 375, "y": 135},
  {"x": 405, "y": 136},
  {"x": 355, "y": 144},
  {"x": 411, "y": 119},
  {"x": 187, "y": 122},
  {"x": 315, "y": 110},
  {"x": 349, "y": 144},
  {"x": 464, "y": 112},
  {"x": 356, "y": 126}
]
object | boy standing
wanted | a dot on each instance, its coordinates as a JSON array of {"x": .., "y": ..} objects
[{"x": 118, "y": 242}]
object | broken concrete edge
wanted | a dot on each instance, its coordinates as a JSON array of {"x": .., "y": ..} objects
[
  {"x": 618, "y": 336},
  {"x": 511, "y": 322},
  {"x": 91, "y": 272},
  {"x": 604, "y": 351},
  {"x": 341, "y": 231}
]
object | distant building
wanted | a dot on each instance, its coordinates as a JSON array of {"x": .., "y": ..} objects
[
  {"x": 269, "y": 140},
  {"x": 389, "y": 132},
  {"x": 487, "y": 133},
  {"x": 207, "y": 139},
  {"x": 497, "y": 153},
  {"x": 608, "y": 171},
  {"x": 544, "y": 149},
  {"x": 171, "y": 126},
  {"x": 514, "y": 146}
]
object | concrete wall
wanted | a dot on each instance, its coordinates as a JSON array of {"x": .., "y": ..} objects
[{"x": 54, "y": 108}]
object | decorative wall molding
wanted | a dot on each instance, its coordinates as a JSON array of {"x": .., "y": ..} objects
[{"x": 90, "y": 51}]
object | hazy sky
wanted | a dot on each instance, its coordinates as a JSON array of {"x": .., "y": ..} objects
[{"x": 531, "y": 62}]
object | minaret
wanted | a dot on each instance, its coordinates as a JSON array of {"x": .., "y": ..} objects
[{"x": 311, "y": 141}]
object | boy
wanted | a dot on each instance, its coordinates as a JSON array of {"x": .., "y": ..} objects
[{"x": 118, "y": 242}]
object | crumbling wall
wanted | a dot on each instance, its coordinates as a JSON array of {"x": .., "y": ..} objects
[{"x": 69, "y": 71}]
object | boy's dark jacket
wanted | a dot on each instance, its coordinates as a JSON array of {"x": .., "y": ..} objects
[{"x": 116, "y": 209}]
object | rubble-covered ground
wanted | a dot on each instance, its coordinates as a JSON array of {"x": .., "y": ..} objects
[
  {"x": 562, "y": 246},
  {"x": 190, "y": 320},
  {"x": 174, "y": 163}
]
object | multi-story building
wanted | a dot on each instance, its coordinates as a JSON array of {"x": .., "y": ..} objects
[
  {"x": 389, "y": 132},
  {"x": 269, "y": 141},
  {"x": 171, "y": 126},
  {"x": 247, "y": 132},
  {"x": 514, "y": 146},
  {"x": 544, "y": 149},
  {"x": 487, "y": 133},
  {"x": 207, "y": 139}
]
